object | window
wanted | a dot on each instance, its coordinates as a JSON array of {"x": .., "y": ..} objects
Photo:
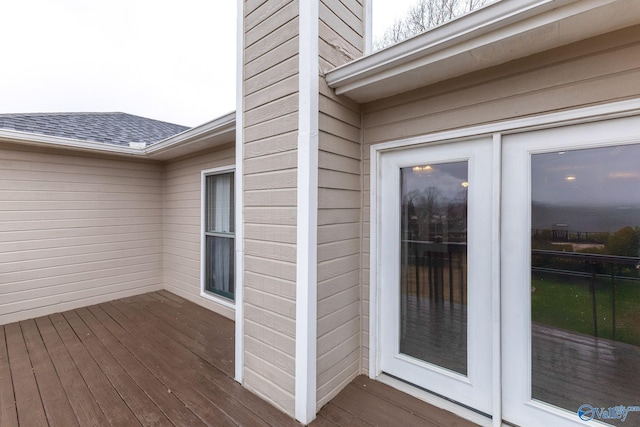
[{"x": 219, "y": 234}]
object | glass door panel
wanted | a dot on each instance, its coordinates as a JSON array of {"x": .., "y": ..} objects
[
  {"x": 585, "y": 286},
  {"x": 570, "y": 288},
  {"x": 433, "y": 251}
]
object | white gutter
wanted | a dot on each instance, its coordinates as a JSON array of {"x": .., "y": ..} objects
[
  {"x": 215, "y": 132},
  {"x": 495, "y": 34}
]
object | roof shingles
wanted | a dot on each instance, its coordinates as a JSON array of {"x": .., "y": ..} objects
[{"x": 108, "y": 128}]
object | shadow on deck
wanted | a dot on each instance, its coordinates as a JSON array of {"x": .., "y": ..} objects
[{"x": 157, "y": 359}]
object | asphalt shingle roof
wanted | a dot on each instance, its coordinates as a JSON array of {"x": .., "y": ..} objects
[{"x": 108, "y": 128}]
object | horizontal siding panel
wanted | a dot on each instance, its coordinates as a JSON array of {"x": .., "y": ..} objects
[
  {"x": 271, "y": 162},
  {"x": 266, "y": 44},
  {"x": 270, "y": 232},
  {"x": 266, "y": 26},
  {"x": 340, "y": 146},
  {"x": 273, "y": 145},
  {"x": 271, "y": 268},
  {"x": 262, "y": 81},
  {"x": 268, "y": 335},
  {"x": 340, "y": 199},
  {"x": 282, "y": 88},
  {"x": 272, "y": 58},
  {"x": 339, "y": 111},
  {"x": 275, "y": 376},
  {"x": 337, "y": 317},
  {"x": 332, "y": 21},
  {"x": 333, "y": 250},
  {"x": 347, "y": 12},
  {"x": 67, "y": 225},
  {"x": 270, "y": 216},
  {"x": 338, "y": 381},
  {"x": 331, "y": 161},
  {"x": 22, "y": 252},
  {"x": 269, "y": 392},
  {"x": 338, "y": 216},
  {"x": 271, "y": 198},
  {"x": 257, "y": 11},
  {"x": 331, "y": 233},
  {"x": 269, "y": 302},
  {"x": 273, "y": 110},
  {"x": 337, "y": 267},
  {"x": 275, "y": 286},
  {"x": 277, "y": 179},
  {"x": 331, "y": 304},
  {"x": 269, "y": 354},
  {"x": 339, "y": 180},
  {"x": 338, "y": 284},
  {"x": 337, "y": 127},
  {"x": 271, "y": 128},
  {"x": 339, "y": 336},
  {"x": 270, "y": 320},
  {"x": 270, "y": 250}
]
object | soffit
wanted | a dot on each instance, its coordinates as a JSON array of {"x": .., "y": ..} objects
[{"x": 494, "y": 35}]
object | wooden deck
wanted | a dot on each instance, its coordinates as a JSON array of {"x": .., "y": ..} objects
[{"x": 159, "y": 360}]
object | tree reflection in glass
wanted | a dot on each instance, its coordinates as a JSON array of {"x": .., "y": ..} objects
[{"x": 433, "y": 264}]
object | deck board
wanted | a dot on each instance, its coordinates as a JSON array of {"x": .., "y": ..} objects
[{"x": 159, "y": 360}]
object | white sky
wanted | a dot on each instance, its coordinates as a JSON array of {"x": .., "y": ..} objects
[{"x": 163, "y": 59}]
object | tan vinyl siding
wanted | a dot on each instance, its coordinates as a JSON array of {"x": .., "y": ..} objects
[
  {"x": 270, "y": 116},
  {"x": 339, "y": 206},
  {"x": 75, "y": 230},
  {"x": 594, "y": 71},
  {"x": 182, "y": 223}
]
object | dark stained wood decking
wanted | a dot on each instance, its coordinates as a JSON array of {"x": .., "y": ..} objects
[{"x": 159, "y": 360}]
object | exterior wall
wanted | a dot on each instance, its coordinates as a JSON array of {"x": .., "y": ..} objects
[
  {"x": 339, "y": 198},
  {"x": 270, "y": 121},
  {"x": 75, "y": 231},
  {"x": 182, "y": 227},
  {"x": 594, "y": 71}
]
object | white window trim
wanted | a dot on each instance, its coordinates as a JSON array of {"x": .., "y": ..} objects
[
  {"x": 203, "y": 208},
  {"x": 497, "y": 131}
]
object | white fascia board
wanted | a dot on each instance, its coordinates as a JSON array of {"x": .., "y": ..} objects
[
  {"x": 496, "y": 34},
  {"x": 216, "y": 132},
  {"x": 39, "y": 140}
]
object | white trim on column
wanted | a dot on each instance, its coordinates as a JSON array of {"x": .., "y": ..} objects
[
  {"x": 239, "y": 187},
  {"x": 368, "y": 26},
  {"x": 496, "y": 350},
  {"x": 307, "y": 214}
]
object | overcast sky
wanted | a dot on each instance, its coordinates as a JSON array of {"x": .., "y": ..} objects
[{"x": 167, "y": 60}]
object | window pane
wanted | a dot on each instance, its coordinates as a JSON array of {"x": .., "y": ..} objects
[
  {"x": 220, "y": 203},
  {"x": 219, "y": 277},
  {"x": 433, "y": 258},
  {"x": 585, "y": 286}
]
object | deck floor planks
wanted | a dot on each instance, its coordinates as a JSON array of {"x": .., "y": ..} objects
[
  {"x": 116, "y": 410},
  {"x": 54, "y": 399},
  {"x": 139, "y": 402},
  {"x": 176, "y": 410},
  {"x": 27, "y": 396},
  {"x": 161, "y": 361},
  {"x": 192, "y": 368},
  {"x": 170, "y": 362},
  {"x": 83, "y": 403},
  {"x": 8, "y": 414}
]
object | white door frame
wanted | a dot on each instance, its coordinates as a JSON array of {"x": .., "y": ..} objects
[{"x": 497, "y": 131}]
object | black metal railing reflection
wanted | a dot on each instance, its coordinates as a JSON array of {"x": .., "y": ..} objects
[
  {"x": 439, "y": 269},
  {"x": 592, "y": 267}
]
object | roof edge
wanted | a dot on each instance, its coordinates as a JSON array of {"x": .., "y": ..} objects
[
  {"x": 215, "y": 132},
  {"x": 489, "y": 36}
]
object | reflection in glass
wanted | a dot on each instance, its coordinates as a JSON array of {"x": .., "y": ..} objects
[
  {"x": 433, "y": 276},
  {"x": 585, "y": 286}
]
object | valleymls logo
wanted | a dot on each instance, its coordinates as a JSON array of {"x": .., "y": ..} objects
[{"x": 587, "y": 412}]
